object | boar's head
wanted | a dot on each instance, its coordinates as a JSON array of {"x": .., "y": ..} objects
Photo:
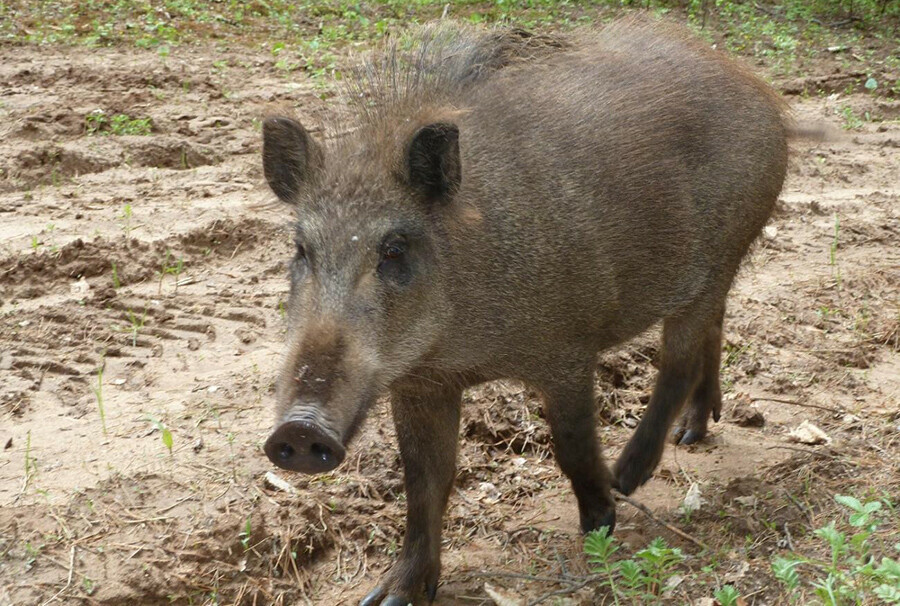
[{"x": 366, "y": 299}]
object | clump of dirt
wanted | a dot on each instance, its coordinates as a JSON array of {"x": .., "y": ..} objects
[
  {"x": 168, "y": 152},
  {"x": 509, "y": 419},
  {"x": 134, "y": 260}
]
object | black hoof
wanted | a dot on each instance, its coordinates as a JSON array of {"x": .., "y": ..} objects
[
  {"x": 374, "y": 598},
  {"x": 596, "y": 520},
  {"x": 691, "y": 436}
]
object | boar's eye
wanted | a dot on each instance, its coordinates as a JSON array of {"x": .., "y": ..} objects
[
  {"x": 393, "y": 250},
  {"x": 393, "y": 265}
]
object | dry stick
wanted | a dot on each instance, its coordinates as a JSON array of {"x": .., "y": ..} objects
[
  {"x": 646, "y": 511},
  {"x": 567, "y": 590},
  {"x": 69, "y": 581},
  {"x": 815, "y": 453},
  {"x": 523, "y": 577},
  {"x": 795, "y": 403}
]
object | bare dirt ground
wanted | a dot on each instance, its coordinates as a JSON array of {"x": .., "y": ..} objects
[{"x": 115, "y": 517}]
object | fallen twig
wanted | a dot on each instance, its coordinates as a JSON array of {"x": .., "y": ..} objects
[
  {"x": 836, "y": 411},
  {"x": 68, "y": 581},
  {"x": 646, "y": 511},
  {"x": 807, "y": 451},
  {"x": 524, "y": 577}
]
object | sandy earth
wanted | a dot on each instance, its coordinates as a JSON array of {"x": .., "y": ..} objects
[{"x": 114, "y": 517}]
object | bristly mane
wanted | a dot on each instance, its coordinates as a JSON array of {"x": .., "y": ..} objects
[{"x": 435, "y": 64}]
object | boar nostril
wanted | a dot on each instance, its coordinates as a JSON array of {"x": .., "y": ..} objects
[
  {"x": 320, "y": 451},
  {"x": 285, "y": 452}
]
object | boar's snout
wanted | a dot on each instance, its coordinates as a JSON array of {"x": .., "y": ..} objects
[{"x": 304, "y": 446}]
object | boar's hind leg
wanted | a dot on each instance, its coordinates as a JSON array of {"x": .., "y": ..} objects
[
  {"x": 570, "y": 412},
  {"x": 427, "y": 422},
  {"x": 680, "y": 370},
  {"x": 707, "y": 397}
]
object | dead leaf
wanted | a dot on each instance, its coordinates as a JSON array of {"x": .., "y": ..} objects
[{"x": 502, "y": 599}]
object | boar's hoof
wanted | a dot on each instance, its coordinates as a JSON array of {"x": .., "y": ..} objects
[
  {"x": 631, "y": 473},
  {"x": 376, "y": 598},
  {"x": 303, "y": 446},
  {"x": 686, "y": 436},
  {"x": 594, "y": 520}
]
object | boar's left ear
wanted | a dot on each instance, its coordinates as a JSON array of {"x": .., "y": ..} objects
[
  {"x": 433, "y": 160},
  {"x": 290, "y": 156}
]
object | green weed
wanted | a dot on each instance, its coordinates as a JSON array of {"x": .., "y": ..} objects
[
  {"x": 853, "y": 573},
  {"x": 175, "y": 270},
  {"x": 245, "y": 534},
  {"x": 166, "y": 435},
  {"x": 137, "y": 323},
  {"x": 640, "y": 580}
]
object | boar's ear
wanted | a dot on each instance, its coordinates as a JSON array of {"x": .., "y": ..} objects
[
  {"x": 433, "y": 160},
  {"x": 290, "y": 156}
]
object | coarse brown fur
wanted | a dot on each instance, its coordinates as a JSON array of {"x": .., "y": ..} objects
[{"x": 509, "y": 206}]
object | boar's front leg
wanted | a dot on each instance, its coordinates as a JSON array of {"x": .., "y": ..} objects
[{"x": 426, "y": 416}]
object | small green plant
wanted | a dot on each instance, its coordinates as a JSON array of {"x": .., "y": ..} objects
[
  {"x": 727, "y": 596},
  {"x": 166, "y": 435},
  {"x": 137, "y": 323},
  {"x": 245, "y": 534},
  {"x": 175, "y": 269},
  {"x": 640, "y": 580},
  {"x": 88, "y": 586},
  {"x": 95, "y": 121},
  {"x": 35, "y": 243},
  {"x": 851, "y": 120},
  {"x": 98, "y": 393},
  {"x": 852, "y": 574},
  {"x": 115, "y": 277},
  {"x": 126, "y": 220}
]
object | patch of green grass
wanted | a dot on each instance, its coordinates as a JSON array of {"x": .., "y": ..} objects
[
  {"x": 852, "y": 121},
  {"x": 99, "y": 123}
]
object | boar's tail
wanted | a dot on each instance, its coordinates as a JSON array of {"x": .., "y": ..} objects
[{"x": 816, "y": 132}]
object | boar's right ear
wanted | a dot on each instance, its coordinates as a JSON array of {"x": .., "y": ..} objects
[
  {"x": 433, "y": 160},
  {"x": 290, "y": 156}
]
